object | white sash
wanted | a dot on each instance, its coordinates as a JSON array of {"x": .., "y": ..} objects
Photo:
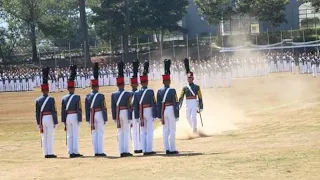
[
  {"x": 69, "y": 101},
  {"x": 44, "y": 103},
  {"x": 120, "y": 97},
  {"x": 94, "y": 99},
  {"x": 165, "y": 95},
  {"x": 142, "y": 97},
  {"x": 132, "y": 100},
  {"x": 191, "y": 90}
]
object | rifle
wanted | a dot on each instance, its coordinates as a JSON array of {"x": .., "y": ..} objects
[
  {"x": 200, "y": 114},
  {"x": 65, "y": 129}
]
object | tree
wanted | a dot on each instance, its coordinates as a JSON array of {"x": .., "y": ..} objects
[
  {"x": 314, "y": 3},
  {"x": 270, "y": 11},
  {"x": 215, "y": 11},
  {"x": 29, "y": 11},
  {"x": 113, "y": 19},
  {"x": 160, "y": 16}
]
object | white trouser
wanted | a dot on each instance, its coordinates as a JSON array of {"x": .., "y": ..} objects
[
  {"x": 123, "y": 132},
  {"x": 1, "y": 86},
  {"x": 83, "y": 82},
  {"x": 54, "y": 86},
  {"x": 314, "y": 70},
  {"x": 228, "y": 79},
  {"x": 98, "y": 133},
  {"x": 169, "y": 129},
  {"x": 31, "y": 85},
  {"x": 24, "y": 85},
  {"x": 60, "y": 84},
  {"x": 293, "y": 67},
  {"x": 147, "y": 131},
  {"x": 192, "y": 113},
  {"x": 309, "y": 67},
  {"x": 105, "y": 80},
  {"x": 65, "y": 83},
  {"x": 48, "y": 135},
  {"x": 78, "y": 82},
  {"x": 136, "y": 134},
  {"x": 6, "y": 85},
  {"x": 219, "y": 79},
  {"x": 73, "y": 133}
]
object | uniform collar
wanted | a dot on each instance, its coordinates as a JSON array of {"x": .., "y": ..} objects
[
  {"x": 71, "y": 93},
  {"x": 191, "y": 83},
  {"x": 144, "y": 87},
  {"x": 166, "y": 86},
  {"x": 135, "y": 89},
  {"x": 121, "y": 89},
  {"x": 94, "y": 91}
]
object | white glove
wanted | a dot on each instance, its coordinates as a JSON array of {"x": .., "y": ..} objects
[
  {"x": 38, "y": 126},
  {"x": 201, "y": 110},
  {"x": 137, "y": 120},
  {"x": 89, "y": 124},
  {"x": 115, "y": 121},
  {"x": 55, "y": 126},
  {"x": 177, "y": 119}
]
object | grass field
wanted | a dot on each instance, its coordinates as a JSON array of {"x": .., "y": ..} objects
[{"x": 261, "y": 128}]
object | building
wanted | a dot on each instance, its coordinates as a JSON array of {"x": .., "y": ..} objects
[{"x": 296, "y": 13}]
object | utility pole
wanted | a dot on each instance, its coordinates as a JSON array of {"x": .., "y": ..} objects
[{"x": 84, "y": 30}]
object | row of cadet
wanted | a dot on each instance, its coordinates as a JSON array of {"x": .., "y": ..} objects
[{"x": 134, "y": 111}]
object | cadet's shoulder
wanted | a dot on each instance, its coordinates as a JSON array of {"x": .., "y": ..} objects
[
  {"x": 196, "y": 86},
  {"x": 101, "y": 95},
  {"x": 64, "y": 97},
  {"x": 39, "y": 98}
]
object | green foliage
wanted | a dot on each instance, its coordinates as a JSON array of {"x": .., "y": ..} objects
[
  {"x": 215, "y": 10},
  {"x": 314, "y": 3},
  {"x": 270, "y": 11}
]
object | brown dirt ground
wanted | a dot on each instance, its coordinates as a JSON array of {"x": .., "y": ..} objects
[{"x": 261, "y": 128}]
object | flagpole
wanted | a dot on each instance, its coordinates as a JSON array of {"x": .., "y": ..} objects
[
  {"x": 137, "y": 47},
  {"x": 174, "y": 53},
  {"x": 110, "y": 50},
  {"x": 149, "y": 49},
  {"x": 70, "y": 53},
  {"x": 210, "y": 45},
  {"x": 281, "y": 42},
  {"x": 292, "y": 41},
  {"x": 161, "y": 46},
  {"x": 187, "y": 46},
  {"x": 268, "y": 36},
  {"x": 304, "y": 40},
  {"x": 198, "y": 47},
  {"x": 122, "y": 48}
]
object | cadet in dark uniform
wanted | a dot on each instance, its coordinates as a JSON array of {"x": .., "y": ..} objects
[
  {"x": 194, "y": 98},
  {"x": 96, "y": 113},
  {"x": 135, "y": 125},
  {"x": 46, "y": 116},
  {"x": 121, "y": 112},
  {"x": 145, "y": 109},
  {"x": 168, "y": 111},
  {"x": 71, "y": 115}
]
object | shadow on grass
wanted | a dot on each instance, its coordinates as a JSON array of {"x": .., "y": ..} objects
[{"x": 158, "y": 154}]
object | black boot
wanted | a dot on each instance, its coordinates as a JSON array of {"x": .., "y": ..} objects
[
  {"x": 77, "y": 155},
  {"x": 137, "y": 151},
  {"x": 72, "y": 156},
  {"x": 102, "y": 155},
  {"x": 174, "y": 152},
  {"x": 167, "y": 152}
]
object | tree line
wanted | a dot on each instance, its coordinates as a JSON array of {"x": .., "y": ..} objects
[{"x": 77, "y": 21}]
